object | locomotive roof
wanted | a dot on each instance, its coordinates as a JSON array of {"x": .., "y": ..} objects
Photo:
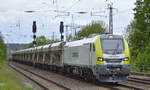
[
  {"x": 108, "y": 35},
  {"x": 81, "y": 42},
  {"x": 90, "y": 40}
]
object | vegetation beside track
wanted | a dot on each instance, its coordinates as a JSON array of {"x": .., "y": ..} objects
[
  {"x": 9, "y": 80},
  {"x": 138, "y": 34},
  {"x": 2, "y": 52}
]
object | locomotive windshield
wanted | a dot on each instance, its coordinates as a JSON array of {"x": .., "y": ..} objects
[{"x": 112, "y": 46}]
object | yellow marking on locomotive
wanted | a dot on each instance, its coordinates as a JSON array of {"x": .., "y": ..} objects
[
  {"x": 126, "y": 62},
  {"x": 126, "y": 52},
  {"x": 99, "y": 52}
]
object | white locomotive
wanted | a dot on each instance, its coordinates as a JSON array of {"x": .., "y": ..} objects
[{"x": 103, "y": 57}]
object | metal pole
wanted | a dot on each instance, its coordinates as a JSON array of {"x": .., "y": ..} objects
[
  {"x": 72, "y": 21},
  {"x": 34, "y": 39},
  {"x": 110, "y": 19},
  {"x": 66, "y": 32},
  {"x": 53, "y": 36}
]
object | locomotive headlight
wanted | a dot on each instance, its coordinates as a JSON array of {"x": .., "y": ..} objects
[
  {"x": 126, "y": 59},
  {"x": 100, "y": 59}
]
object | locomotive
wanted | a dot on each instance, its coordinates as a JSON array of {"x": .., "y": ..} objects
[{"x": 102, "y": 57}]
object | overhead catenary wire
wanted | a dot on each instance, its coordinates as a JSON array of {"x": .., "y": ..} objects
[
  {"x": 70, "y": 7},
  {"x": 123, "y": 11}
]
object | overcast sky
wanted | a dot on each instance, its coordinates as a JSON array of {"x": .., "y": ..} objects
[{"x": 15, "y": 23}]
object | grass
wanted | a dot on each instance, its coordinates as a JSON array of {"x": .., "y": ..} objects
[
  {"x": 10, "y": 80},
  {"x": 135, "y": 68}
]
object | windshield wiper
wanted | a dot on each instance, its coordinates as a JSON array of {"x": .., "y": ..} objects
[{"x": 116, "y": 49}]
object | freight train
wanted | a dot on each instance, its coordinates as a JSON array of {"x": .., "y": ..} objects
[{"x": 102, "y": 57}]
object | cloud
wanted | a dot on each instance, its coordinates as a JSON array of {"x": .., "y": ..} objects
[
  {"x": 17, "y": 23},
  {"x": 13, "y": 4}
]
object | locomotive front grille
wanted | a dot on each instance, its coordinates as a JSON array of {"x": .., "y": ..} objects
[{"x": 113, "y": 60}]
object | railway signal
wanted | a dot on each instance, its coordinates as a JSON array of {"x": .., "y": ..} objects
[
  {"x": 34, "y": 29},
  {"x": 34, "y": 36},
  {"x": 61, "y": 29}
]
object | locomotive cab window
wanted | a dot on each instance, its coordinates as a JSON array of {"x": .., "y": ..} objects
[
  {"x": 90, "y": 47},
  {"x": 112, "y": 46},
  {"x": 93, "y": 47}
]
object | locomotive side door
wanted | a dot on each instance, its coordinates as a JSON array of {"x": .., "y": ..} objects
[
  {"x": 92, "y": 54},
  {"x": 89, "y": 53}
]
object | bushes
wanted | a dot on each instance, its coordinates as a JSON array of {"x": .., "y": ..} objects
[
  {"x": 138, "y": 33},
  {"x": 2, "y": 52},
  {"x": 143, "y": 58},
  {"x": 141, "y": 62}
]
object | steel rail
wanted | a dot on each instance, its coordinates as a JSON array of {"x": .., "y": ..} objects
[
  {"x": 139, "y": 80},
  {"x": 45, "y": 88}
]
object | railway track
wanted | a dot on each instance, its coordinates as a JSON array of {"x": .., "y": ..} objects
[
  {"x": 132, "y": 87},
  {"x": 71, "y": 88},
  {"x": 139, "y": 80},
  {"x": 140, "y": 74},
  {"x": 96, "y": 86},
  {"x": 121, "y": 86},
  {"x": 44, "y": 83},
  {"x": 137, "y": 83},
  {"x": 117, "y": 86}
]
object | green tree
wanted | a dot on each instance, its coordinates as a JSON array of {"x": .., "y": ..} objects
[
  {"x": 93, "y": 28},
  {"x": 138, "y": 33},
  {"x": 41, "y": 40},
  {"x": 141, "y": 30},
  {"x": 3, "y": 52}
]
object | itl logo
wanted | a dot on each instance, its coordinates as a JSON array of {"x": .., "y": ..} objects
[{"x": 113, "y": 56}]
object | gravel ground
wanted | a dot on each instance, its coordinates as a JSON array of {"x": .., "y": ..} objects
[
  {"x": 75, "y": 84},
  {"x": 31, "y": 84}
]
